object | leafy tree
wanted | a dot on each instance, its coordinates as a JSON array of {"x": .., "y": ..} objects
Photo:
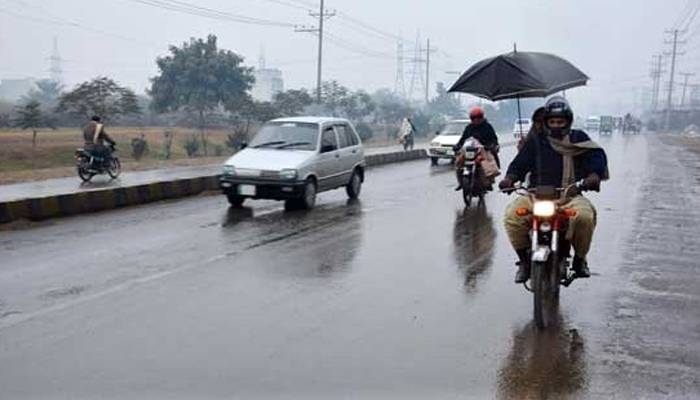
[
  {"x": 357, "y": 105},
  {"x": 292, "y": 102},
  {"x": 445, "y": 103},
  {"x": 101, "y": 96},
  {"x": 29, "y": 116},
  {"x": 200, "y": 77}
]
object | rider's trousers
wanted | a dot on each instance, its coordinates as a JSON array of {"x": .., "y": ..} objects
[{"x": 580, "y": 232}]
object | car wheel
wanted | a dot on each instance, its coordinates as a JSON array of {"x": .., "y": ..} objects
[
  {"x": 355, "y": 186},
  {"x": 235, "y": 200},
  {"x": 308, "y": 201},
  {"x": 433, "y": 161}
]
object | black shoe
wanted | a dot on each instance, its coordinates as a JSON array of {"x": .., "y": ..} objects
[
  {"x": 580, "y": 267},
  {"x": 458, "y": 188},
  {"x": 523, "y": 273}
]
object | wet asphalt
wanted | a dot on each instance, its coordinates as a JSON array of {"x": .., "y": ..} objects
[{"x": 403, "y": 294}]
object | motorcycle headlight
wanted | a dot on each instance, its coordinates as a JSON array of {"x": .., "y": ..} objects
[
  {"x": 288, "y": 174},
  {"x": 544, "y": 208},
  {"x": 229, "y": 170}
]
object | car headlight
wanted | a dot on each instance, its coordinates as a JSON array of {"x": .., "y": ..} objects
[
  {"x": 434, "y": 144},
  {"x": 288, "y": 174},
  {"x": 544, "y": 208},
  {"x": 229, "y": 170}
]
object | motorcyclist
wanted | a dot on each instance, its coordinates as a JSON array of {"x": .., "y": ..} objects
[
  {"x": 480, "y": 129},
  {"x": 559, "y": 158},
  {"x": 95, "y": 138}
]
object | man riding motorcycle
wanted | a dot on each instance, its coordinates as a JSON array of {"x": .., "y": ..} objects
[
  {"x": 95, "y": 138},
  {"x": 481, "y": 130},
  {"x": 558, "y": 156}
]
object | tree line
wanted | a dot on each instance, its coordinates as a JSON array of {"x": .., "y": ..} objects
[{"x": 201, "y": 86}]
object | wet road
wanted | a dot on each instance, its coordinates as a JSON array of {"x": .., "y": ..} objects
[{"x": 403, "y": 294}]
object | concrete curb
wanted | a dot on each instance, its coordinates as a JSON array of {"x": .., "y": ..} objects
[{"x": 36, "y": 209}]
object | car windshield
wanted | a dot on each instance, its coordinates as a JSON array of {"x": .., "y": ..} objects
[
  {"x": 453, "y": 128},
  {"x": 287, "y": 135}
]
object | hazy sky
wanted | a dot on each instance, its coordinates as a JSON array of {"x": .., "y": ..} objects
[{"x": 611, "y": 40}]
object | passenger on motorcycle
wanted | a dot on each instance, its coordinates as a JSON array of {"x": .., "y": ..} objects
[
  {"x": 481, "y": 130},
  {"x": 95, "y": 138},
  {"x": 559, "y": 158}
]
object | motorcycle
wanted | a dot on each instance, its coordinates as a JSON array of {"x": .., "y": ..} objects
[
  {"x": 550, "y": 253},
  {"x": 474, "y": 183},
  {"x": 89, "y": 165}
]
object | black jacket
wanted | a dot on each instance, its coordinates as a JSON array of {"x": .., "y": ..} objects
[
  {"x": 482, "y": 132},
  {"x": 551, "y": 163}
]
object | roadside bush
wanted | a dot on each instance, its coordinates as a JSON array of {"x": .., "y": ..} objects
[
  {"x": 219, "y": 150},
  {"x": 191, "y": 146},
  {"x": 364, "y": 130},
  {"x": 139, "y": 147},
  {"x": 167, "y": 145},
  {"x": 236, "y": 139}
]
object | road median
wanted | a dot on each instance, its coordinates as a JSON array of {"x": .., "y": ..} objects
[{"x": 82, "y": 201}]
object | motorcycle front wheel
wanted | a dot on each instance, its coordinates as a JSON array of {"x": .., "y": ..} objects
[
  {"x": 467, "y": 193},
  {"x": 545, "y": 289},
  {"x": 114, "y": 168}
]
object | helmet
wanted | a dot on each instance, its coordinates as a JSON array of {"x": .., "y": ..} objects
[
  {"x": 558, "y": 107},
  {"x": 96, "y": 118},
  {"x": 476, "y": 112}
]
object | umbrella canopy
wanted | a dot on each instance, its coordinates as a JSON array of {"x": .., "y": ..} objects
[{"x": 519, "y": 75}]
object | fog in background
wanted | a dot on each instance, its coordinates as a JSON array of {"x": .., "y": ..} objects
[{"x": 612, "y": 41}]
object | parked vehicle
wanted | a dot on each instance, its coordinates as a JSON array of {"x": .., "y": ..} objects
[
  {"x": 441, "y": 146},
  {"x": 474, "y": 183},
  {"x": 592, "y": 123},
  {"x": 550, "y": 253},
  {"x": 521, "y": 127},
  {"x": 89, "y": 164},
  {"x": 294, "y": 159},
  {"x": 607, "y": 125}
]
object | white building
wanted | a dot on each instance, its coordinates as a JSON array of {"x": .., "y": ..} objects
[{"x": 268, "y": 82}]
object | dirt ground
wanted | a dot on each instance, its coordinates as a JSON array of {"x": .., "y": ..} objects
[{"x": 54, "y": 153}]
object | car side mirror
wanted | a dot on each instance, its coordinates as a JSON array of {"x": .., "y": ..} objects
[
  {"x": 244, "y": 145},
  {"x": 327, "y": 148},
  {"x": 437, "y": 133}
]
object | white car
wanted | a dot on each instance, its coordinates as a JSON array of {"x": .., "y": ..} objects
[
  {"x": 441, "y": 146},
  {"x": 592, "y": 123},
  {"x": 521, "y": 127},
  {"x": 293, "y": 159}
]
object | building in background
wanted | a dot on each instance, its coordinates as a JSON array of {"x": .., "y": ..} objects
[
  {"x": 268, "y": 82},
  {"x": 13, "y": 89}
]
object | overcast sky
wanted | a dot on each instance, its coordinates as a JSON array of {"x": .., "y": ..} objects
[{"x": 611, "y": 40}]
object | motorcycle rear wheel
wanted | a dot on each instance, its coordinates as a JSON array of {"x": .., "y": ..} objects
[
  {"x": 114, "y": 168},
  {"x": 84, "y": 175}
]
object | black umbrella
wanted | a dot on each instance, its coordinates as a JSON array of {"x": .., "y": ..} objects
[{"x": 518, "y": 75}]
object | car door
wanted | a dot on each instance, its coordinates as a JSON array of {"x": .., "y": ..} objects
[
  {"x": 329, "y": 159},
  {"x": 350, "y": 154}
]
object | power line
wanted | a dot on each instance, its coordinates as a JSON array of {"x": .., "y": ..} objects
[{"x": 190, "y": 9}]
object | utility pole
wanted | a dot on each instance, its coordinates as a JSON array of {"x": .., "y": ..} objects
[
  {"x": 674, "y": 53},
  {"x": 322, "y": 16},
  {"x": 686, "y": 76}
]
